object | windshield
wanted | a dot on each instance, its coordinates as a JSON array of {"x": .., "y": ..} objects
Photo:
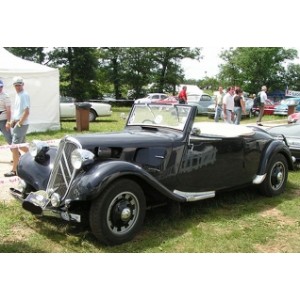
[{"x": 159, "y": 115}]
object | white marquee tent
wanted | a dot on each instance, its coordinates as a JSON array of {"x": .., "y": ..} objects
[{"x": 42, "y": 85}]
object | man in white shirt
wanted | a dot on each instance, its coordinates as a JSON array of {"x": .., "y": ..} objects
[
  {"x": 228, "y": 105},
  {"x": 219, "y": 104},
  {"x": 263, "y": 98}
]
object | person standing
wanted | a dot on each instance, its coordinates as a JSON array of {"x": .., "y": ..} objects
[
  {"x": 19, "y": 122},
  {"x": 5, "y": 114},
  {"x": 263, "y": 97},
  {"x": 219, "y": 103},
  {"x": 182, "y": 96},
  {"x": 228, "y": 105},
  {"x": 239, "y": 105}
]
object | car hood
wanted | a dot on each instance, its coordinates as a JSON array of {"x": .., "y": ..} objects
[
  {"x": 127, "y": 139},
  {"x": 286, "y": 129}
]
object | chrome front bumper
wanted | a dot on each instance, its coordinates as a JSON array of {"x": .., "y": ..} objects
[{"x": 29, "y": 205}]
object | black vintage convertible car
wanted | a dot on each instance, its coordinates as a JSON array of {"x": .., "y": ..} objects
[{"x": 161, "y": 156}]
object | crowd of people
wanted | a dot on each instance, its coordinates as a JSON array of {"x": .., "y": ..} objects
[
  {"x": 14, "y": 123},
  {"x": 231, "y": 105}
]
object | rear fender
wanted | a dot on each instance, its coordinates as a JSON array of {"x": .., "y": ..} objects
[{"x": 273, "y": 148}]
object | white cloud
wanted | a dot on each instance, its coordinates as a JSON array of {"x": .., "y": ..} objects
[{"x": 208, "y": 66}]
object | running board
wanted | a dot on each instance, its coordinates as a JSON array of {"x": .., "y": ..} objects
[
  {"x": 190, "y": 197},
  {"x": 258, "y": 179}
]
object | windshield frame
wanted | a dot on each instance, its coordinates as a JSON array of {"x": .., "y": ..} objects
[{"x": 160, "y": 115}]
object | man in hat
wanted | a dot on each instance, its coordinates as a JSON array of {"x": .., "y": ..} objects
[{"x": 19, "y": 122}]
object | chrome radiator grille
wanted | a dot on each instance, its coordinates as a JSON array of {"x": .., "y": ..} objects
[{"x": 62, "y": 173}]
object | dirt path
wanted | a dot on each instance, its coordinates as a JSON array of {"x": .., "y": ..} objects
[{"x": 6, "y": 182}]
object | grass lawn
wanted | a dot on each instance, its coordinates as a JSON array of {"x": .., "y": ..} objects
[{"x": 238, "y": 222}]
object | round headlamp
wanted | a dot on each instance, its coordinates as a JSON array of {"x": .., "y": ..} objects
[
  {"x": 36, "y": 147},
  {"x": 79, "y": 156},
  {"x": 55, "y": 199}
]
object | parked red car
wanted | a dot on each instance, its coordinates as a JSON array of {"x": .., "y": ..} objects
[
  {"x": 269, "y": 108},
  {"x": 169, "y": 100}
]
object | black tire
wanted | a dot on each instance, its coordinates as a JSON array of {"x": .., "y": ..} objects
[
  {"x": 92, "y": 115},
  {"x": 118, "y": 214},
  {"x": 277, "y": 174}
]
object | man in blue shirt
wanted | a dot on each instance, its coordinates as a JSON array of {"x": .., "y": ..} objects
[{"x": 19, "y": 123}]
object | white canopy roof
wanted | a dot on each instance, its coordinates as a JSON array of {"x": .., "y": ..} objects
[{"x": 42, "y": 84}]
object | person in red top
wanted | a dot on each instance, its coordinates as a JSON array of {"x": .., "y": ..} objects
[{"x": 183, "y": 96}]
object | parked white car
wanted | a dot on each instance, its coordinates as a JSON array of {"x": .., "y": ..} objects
[
  {"x": 97, "y": 109},
  {"x": 152, "y": 97}
]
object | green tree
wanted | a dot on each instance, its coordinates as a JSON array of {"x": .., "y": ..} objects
[
  {"x": 210, "y": 83},
  {"x": 78, "y": 70},
  {"x": 114, "y": 66},
  {"x": 252, "y": 67},
  {"x": 293, "y": 77},
  {"x": 138, "y": 71},
  {"x": 145, "y": 69},
  {"x": 167, "y": 72}
]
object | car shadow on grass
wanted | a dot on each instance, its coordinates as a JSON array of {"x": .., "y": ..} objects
[{"x": 160, "y": 226}]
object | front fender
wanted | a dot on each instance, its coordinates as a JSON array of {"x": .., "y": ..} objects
[
  {"x": 88, "y": 185},
  {"x": 34, "y": 172},
  {"x": 276, "y": 146}
]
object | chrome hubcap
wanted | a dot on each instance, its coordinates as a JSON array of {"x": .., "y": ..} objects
[{"x": 125, "y": 214}]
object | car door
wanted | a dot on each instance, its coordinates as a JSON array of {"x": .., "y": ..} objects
[
  {"x": 67, "y": 107},
  {"x": 212, "y": 163}
]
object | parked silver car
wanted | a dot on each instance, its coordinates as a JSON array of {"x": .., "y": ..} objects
[
  {"x": 283, "y": 108},
  {"x": 202, "y": 102}
]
